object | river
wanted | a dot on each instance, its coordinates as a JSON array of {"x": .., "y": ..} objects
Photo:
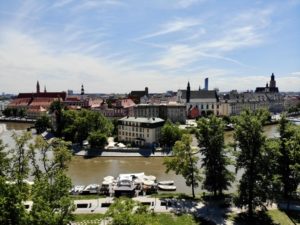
[{"x": 86, "y": 171}]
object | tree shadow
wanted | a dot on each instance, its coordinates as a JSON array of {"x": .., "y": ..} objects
[
  {"x": 293, "y": 215},
  {"x": 259, "y": 218}
]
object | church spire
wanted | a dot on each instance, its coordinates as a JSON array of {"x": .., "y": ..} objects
[
  {"x": 272, "y": 82},
  {"x": 82, "y": 90},
  {"x": 188, "y": 93},
  {"x": 37, "y": 87}
]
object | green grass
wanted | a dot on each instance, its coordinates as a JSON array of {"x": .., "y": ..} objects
[
  {"x": 271, "y": 217},
  {"x": 168, "y": 219},
  {"x": 294, "y": 216},
  {"x": 161, "y": 218},
  {"x": 279, "y": 217},
  {"x": 87, "y": 217}
]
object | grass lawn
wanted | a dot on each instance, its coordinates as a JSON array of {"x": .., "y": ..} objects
[
  {"x": 271, "y": 217},
  {"x": 162, "y": 218},
  {"x": 279, "y": 217},
  {"x": 87, "y": 218},
  {"x": 171, "y": 219}
]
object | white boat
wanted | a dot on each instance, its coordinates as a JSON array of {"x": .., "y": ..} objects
[
  {"x": 77, "y": 189},
  {"x": 166, "y": 182},
  {"x": 150, "y": 177},
  {"x": 91, "y": 189},
  {"x": 148, "y": 182},
  {"x": 166, "y": 187},
  {"x": 107, "y": 182},
  {"x": 109, "y": 178}
]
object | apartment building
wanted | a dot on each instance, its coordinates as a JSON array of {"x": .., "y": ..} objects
[{"x": 140, "y": 131}]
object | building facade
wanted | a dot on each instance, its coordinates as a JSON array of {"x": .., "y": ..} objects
[
  {"x": 173, "y": 111},
  {"x": 201, "y": 101},
  {"x": 234, "y": 103},
  {"x": 36, "y": 104},
  {"x": 140, "y": 131}
]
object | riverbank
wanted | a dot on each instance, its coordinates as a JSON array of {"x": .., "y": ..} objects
[
  {"x": 17, "y": 120},
  {"x": 122, "y": 153}
]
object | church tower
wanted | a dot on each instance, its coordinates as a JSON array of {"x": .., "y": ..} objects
[
  {"x": 82, "y": 90},
  {"x": 188, "y": 93},
  {"x": 37, "y": 87},
  {"x": 272, "y": 82}
]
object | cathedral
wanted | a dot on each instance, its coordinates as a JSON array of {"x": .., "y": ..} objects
[{"x": 269, "y": 88}]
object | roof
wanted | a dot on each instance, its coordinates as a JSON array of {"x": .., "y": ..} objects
[
  {"x": 142, "y": 119},
  {"x": 44, "y": 95},
  {"x": 138, "y": 93},
  {"x": 125, "y": 103},
  {"x": 200, "y": 94},
  {"x": 265, "y": 89},
  {"x": 20, "y": 102}
]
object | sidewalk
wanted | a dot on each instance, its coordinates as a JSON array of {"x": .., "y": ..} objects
[{"x": 121, "y": 153}]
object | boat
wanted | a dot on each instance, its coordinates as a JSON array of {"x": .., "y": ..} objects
[
  {"x": 150, "y": 177},
  {"x": 148, "y": 182},
  {"x": 166, "y": 187},
  {"x": 91, "y": 189},
  {"x": 108, "y": 178},
  {"x": 166, "y": 182},
  {"x": 77, "y": 189}
]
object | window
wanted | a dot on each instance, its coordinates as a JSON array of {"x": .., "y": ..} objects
[{"x": 207, "y": 106}]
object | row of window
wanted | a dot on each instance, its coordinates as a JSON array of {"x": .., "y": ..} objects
[
  {"x": 136, "y": 135},
  {"x": 137, "y": 129}
]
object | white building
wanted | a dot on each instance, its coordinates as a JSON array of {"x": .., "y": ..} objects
[
  {"x": 204, "y": 100},
  {"x": 139, "y": 131}
]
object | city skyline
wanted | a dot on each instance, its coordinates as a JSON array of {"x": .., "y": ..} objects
[{"x": 113, "y": 46}]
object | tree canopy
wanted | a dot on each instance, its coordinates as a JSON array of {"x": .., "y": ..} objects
[
  {"x": 215, "y": 162},
  {"x": 50, "y": 191},
  {"x": 184, "y": 162},
  {"x": 249, "y": 138},
  {"x": 170, "y": 133}
]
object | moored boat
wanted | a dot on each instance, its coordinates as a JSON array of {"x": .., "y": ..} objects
[
  {"x": 91, "y": 189},
  {"x": 166, "y": 182},
  {"x": 166, "y": 187}
]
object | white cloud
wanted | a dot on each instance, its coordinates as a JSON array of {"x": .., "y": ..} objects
[
  {"x": 187, "y": 3},
  {"x": 172, "y": 27}
]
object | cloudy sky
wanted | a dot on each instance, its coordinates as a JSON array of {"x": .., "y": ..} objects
[{"x": 122, "y": 45}]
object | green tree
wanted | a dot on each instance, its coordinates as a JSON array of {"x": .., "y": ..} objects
[
  {"x": 289, "y": 158},
  {"x": 78, "y": 124},
  {"x": 184, "y": 162},
  {"x": 12, "y": 209},
  {"x": 125, "y": 211},
  {"x": 42, "y": 124},
  {"x": 97, "y": 139},
  {"x": 56, "y": 108},
  {"x": 51, "y": 201},
  {"x": 7, "y": 112},
  {"x": 13, "y": 189},
  {"x": 170, "y": 133},
  {"x": 249, "y": 138},
  {"x": 4, "y": 161},
  {"x": 22, "y": 112},
  {"x": 288, "y": 148},
  {"x": 20, "y": 160},
  {"x": 211, "y": 142}
]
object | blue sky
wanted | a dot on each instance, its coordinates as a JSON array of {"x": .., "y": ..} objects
[{"x": 118, "y": 46}]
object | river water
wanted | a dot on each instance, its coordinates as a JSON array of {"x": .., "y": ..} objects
[{"x": 86, "y": 171}]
